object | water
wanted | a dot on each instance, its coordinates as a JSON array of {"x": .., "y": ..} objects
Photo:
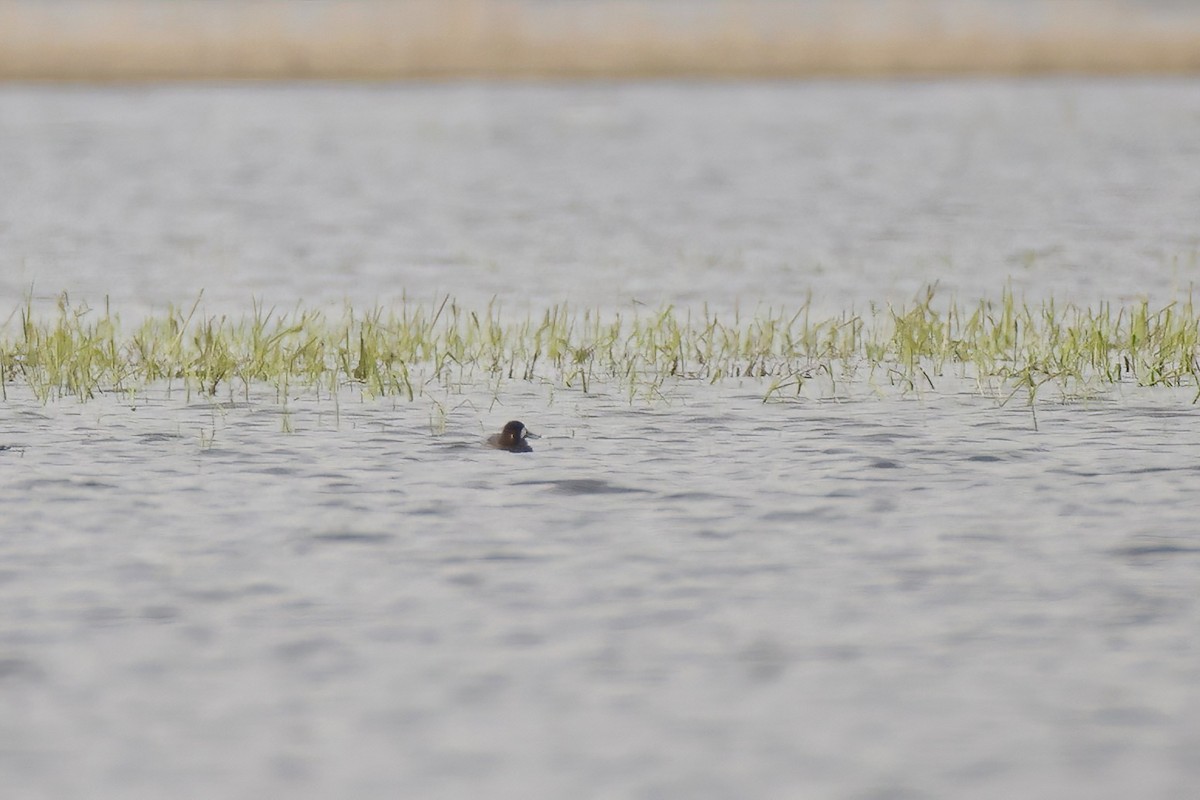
[
  {"x": 714, "y": 598},
  {"x": 888, "y": 596},
  {"x": 600, "y": 194}
]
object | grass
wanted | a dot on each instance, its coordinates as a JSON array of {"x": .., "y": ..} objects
[
  {"x": 122, "y": 40},
  {"x": 1004, "y": 348}
]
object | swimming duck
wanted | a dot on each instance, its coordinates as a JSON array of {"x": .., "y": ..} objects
[{"x": 512, "y": 438}]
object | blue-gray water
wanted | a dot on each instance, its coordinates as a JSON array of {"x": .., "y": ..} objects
[
  {"x": 704, "y": 596},
  {"x": 600, "y": 194}
]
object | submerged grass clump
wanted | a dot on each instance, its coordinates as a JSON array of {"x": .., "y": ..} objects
[{"x": 1005, "y": 347}]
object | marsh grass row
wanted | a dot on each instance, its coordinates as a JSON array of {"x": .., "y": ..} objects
[{"x": 1005, "y": 348}]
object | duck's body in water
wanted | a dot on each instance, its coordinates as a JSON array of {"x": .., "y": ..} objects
[{"x": 512, "y": 438}]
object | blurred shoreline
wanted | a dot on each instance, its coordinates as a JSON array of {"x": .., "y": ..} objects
[{"x": 131, "y": 40}]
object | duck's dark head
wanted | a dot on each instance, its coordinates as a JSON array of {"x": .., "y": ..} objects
[
  {"x": 512, "y": 437},
  {"x": 514, "y": 431}
]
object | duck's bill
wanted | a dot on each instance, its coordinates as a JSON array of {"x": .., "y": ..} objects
[{"x": 530, "y": 434}]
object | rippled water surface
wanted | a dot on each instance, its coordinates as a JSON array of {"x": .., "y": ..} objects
[
  {"x": 711, "y": 598},
  {"x": 600, "y": 194},
  {"x": 891, "y": 595}
]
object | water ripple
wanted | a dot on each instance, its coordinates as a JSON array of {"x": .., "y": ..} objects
[
  {"x": 1156, "y": 549},
  {"x": 584, "y": 486},
  {"x": 352, "y": 537}
]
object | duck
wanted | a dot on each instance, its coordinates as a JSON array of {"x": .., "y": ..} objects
[{"x": 512, "y": 438}]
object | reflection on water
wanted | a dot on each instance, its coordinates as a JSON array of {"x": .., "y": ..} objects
[{"x": 863, "y": 598}]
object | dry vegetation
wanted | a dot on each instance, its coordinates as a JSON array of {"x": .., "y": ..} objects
[{"x": 384, "y": 39}]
